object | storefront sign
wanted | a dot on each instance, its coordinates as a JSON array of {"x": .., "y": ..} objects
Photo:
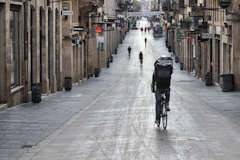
[
  {"x": 180, "y": 36},
  {"x": 78, "y": 28},
  {"x": 188, "y": 37},
  {"x": 99, "y": 29},
  {"x": 207, "y": 36},
  {"x": 67, "y": 13}
]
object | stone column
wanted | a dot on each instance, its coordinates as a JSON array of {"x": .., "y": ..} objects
[
  {"x": 81, "y": 61},
  {"x": 236, "y": 46},
  {"x": 67, "y": 49},
  {"x": 5, "y": 54},
  {"x": 36, "y": 47},
  {"x": 58, "y": 23},
  {"x": 45, "y": 80},
  {"x": 91, "y": 49},
  {"x": 74, "y": 63},
  {"x": 52, "y": 51},
  {"x": 104, "y": 53}
]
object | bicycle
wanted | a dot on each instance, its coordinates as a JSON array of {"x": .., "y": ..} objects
[{"x": 163, "y": 115}]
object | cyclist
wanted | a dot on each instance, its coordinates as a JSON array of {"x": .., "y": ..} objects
[
  {"x": 161, "y": 81},
  {"x": 141, "y": 57},
  {"x": 129, "y": 51}
]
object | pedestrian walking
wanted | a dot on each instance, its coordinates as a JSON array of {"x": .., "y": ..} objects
[
  {"x": 129, "y": 51},
  {"x": 141, "y": 57}
]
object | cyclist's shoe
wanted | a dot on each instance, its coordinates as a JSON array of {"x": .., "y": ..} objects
[{"x": 167, "y": 107}]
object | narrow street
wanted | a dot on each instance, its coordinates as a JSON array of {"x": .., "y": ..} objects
[{"x": 112, "y": 117}]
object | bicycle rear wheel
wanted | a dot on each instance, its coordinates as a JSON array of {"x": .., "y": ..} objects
[{"x": 164, "y": 119}]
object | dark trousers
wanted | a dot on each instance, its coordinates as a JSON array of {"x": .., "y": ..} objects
[{"x": 158, "y": 101}]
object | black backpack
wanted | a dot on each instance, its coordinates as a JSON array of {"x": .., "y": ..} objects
[{"x": 163, "y": 75}]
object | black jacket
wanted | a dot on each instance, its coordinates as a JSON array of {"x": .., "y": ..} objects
[{"x": 140, "y": 55}]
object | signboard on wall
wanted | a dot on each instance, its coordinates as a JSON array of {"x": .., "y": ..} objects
[
  {"x": 207, "y": 36},
  {"x": 99, "y": 29},
  {"x": 78, "y": 28},
  {"x": 67, "y": 13},
  {"x": 100, "y": 39}
]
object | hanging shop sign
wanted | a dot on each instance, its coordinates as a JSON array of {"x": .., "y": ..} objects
[
  {"x": 67, "y": 13},
  {"x": 225, "y": 3},
  {"x": 78, "y": 28},
  {"x": 188, "y": 37},
  {"x": 180, "y": 36},
  {"x": 207, "y": 36},
  {"x": 99, "y": 29}
]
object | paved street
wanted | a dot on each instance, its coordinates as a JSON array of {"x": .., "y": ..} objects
[{"x": 112, "y": 117}]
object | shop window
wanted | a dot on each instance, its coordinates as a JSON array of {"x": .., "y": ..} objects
[{"x": 14, "y": 42}]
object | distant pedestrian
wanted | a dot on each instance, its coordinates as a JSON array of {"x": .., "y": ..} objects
[
  {"x": 141, "y": 57},
  {"x": 129, "y": 51}
]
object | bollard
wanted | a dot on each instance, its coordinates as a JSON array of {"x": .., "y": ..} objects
[
  {"x": 97, "y": 72},
  {"x": 181, "y": 66},
  {"x": 68, "y": 83},
  {"x": 176, "y": 59},
  {"x": 111, "y": 58},
  {"x": 208, "y": 79},
  {"x": 36, "y": 93},
  {"x": 108, "y": 63}
]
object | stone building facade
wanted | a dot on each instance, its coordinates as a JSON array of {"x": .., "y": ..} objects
[
  {"x": 44, "y": 41},
  {"x": 203, "y": 36},
  {"x": 31, "y": 39}
]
